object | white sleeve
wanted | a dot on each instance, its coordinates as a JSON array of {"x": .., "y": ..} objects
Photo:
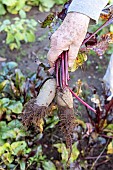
[{"x": 91, "y": 8}]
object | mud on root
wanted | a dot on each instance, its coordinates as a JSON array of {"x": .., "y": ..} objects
[
  {"x": 32, "y": 113},
  {"x": 67, "y": 125}
]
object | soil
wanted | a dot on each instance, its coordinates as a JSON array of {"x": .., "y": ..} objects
[{"x": 91, "y": 73}]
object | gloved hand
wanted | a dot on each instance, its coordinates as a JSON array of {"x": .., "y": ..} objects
[
  {"x": 108, "y": 77},
  {"x": 69, "y": 36}
]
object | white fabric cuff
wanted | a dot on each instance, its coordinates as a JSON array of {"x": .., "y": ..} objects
[{"x": 91, "y": 8}]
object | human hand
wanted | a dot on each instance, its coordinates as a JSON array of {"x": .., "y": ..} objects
[{"x": 69, "y": 36}]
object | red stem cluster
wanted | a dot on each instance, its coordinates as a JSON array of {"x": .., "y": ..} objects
[
  {"x": 61, "y": 69},
  {"x": 108, "y": 22},
  {"x": 62, "y": 76}
]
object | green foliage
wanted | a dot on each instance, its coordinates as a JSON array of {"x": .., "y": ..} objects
[
  {"x": 41, "y": 160},
  {"x": 11, "y": 81},
  {"x": 21, "y": 29},
  {"x": 110, "y": 1},
  {"x": 110, "y": 148},
  {"x": 46, "y": 5},
  {"x": 11, "y": 133},
  {"x": 14, "y": 6},
  {"x": 48, "y": 165},
  {"x": 2, "y": 9},
  {"x": 14, "y": 92},
  {"x": 8, "y": 151},
  {"x": 10, "y": 106},
  {"x": 18, "y": 30},
  {"x": 52, "y": 121},
  {"x": 64, "y": 152}
]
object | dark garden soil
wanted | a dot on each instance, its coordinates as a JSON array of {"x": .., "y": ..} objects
[{"x": 91, "y": 74}]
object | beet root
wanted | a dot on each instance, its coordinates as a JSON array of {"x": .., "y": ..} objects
[
  {"x": 66, "y": 115},
  {"x": 47, "y": 93},
  {"x": 64, "y": 98},
  {"x": 32, "y": 113},
  {"x": 67, "y": 124},
  {"x": 36, "y": 109}
]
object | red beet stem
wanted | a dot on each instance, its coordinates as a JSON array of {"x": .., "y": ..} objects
[
  {"x": 109, "y": 21},
  {"x": 60, "y": 74},
  {"x": 80, "y": 100},
  {"x": 56, "y": 70},
  {"x": 63, "y": 70},
  {"x": 66, "y": 67}
]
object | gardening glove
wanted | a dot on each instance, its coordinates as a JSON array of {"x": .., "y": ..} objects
[
  {"x": 69, "y": 36},
  {"x": 108, "y": 77}
]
